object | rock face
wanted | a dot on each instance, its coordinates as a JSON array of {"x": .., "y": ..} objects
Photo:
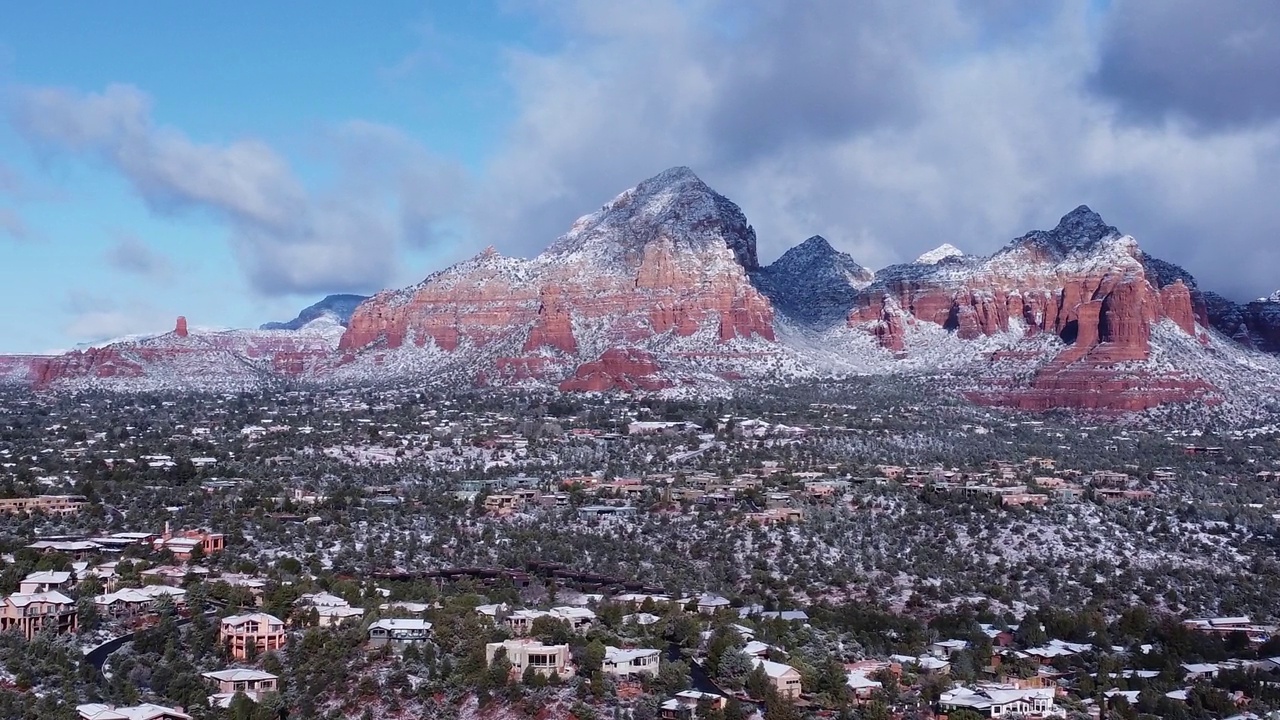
[
  {"x": 662, "y": 289},
  {"x": 229, "y": 358},
  {"x": 813, "y": 283},
  {"x": 617, "y": 369},
  {"x": 668, "y": 259},
  {"x": 336, "y": 307},
  {"x": 1082, "y": 281},
  {"x": 1255, "y": 324}
]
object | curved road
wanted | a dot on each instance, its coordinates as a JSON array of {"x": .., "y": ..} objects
[{"x": 98, "y": 656}]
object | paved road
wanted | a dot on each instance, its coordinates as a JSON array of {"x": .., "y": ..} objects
[
  {"x": 98, "y": 656},
  {"x": 698, "y": 677}
]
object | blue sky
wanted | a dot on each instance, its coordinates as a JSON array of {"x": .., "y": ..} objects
[{"x": 234, "y": 162}]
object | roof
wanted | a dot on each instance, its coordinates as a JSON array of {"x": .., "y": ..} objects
[
  {"x": 619, "y": 655},
  {"x": 48, "y": 577},
  {"x": 145, "y": 711},
  {"x": 22, "y": 600},
  {"x": 401, "y": 624},
  {"x": 239, "y": 675},
  {"x": 251, "y": 617},
  {"x": 775, "y": 670},
  {"x": 858, "y": 681}
]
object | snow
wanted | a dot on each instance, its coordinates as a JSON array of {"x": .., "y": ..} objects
[{"x": 938, "y": 254}]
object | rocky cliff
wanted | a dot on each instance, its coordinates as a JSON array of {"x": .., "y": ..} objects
[
  {"x": 667, "y": 259},
  {"x": 1083, "y": 282},
  {"x": 813, "y": 283}
]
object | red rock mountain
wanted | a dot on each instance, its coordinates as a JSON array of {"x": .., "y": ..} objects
[
  {"x": 1082, "y": 282},
  {"x": 663, "y": 261},
  {"x": 661, "y": 289}
]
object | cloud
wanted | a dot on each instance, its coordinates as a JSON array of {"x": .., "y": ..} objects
[
  {"x": 1213, "y": 64},
  {"x": 131, "y": 255},
  {"x": 288, "y": 237},
  {"x": 12, "y": 226},
  {"x": 95, "y": 318},
  {"x": 889, "y": 128}
]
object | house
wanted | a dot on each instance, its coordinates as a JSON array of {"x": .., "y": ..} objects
[
  {"x": 331, "y": 616},
  {"x": 398, "y": 632},
  {"x": 1000, "y": 700},
  {"x": 710, "y": 603},
  {"x": 525, "y": 653},
  {"x": 862, "y": 687},
  {"x": 253, "y": 683},
  {"x": 46, "y": 581},
  {"x": 145, "y": 711},
  {"x": 503, "y": 504},
  {"x": 520, "y": 622},
  {"x": 784, "y": 678},
  {"x": 579, "y": 618},
  {"x": 131, "y": 602},
  {"x": 47, "y": 504},
  {"x": 620, "y": 662},
  {"x": 31, "y": 613},
  {"x": 684, "y": 706},
  {"x": 321, "y": 599},
  {"x": 258, "y": 630},
  {"x": 1200, "y": 671},
  {"x": 183, "y": 544},
  {"x": 947, "y": 648}
]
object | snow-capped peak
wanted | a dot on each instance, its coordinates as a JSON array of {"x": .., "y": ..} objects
[
  {"x": 1273, "y": 297},
  {"x": 938, "y": 254}
]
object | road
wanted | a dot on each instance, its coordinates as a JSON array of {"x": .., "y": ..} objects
[{"x": 98, "y": 656}]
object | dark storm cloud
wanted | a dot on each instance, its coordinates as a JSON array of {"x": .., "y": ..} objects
[{"x": 1214, "y": 63}]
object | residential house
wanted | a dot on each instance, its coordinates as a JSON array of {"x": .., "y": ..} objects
[
  {"x": 784, "y": 678},
  {"x": 183, "y": 544},
  {"x": 398, "y": 632},
  {"x": 620, "y": 662},
  {"x": 145, "y": 711},
  {"x": 259, "y": 630},
  {"x": 862, "y": 687},
  {"x": 710, "y": 603},
  {"x": 132, "y": 602},
  {"x": 253, "y": 683},
  {"x": 1000, "y": 700},
  {"x": 47, "y": 504},
  {"x": 46, "y": 581},
  {"x": 525, "y": 653},
  {"x": 31, "y": 613},
  {"x": 684, "y": 706}
]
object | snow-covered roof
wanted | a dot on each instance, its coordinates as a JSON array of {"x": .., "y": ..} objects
[
  {"x": 618, "y": 656},
  {"x": 394, "y": 624},
  {"x": 239, "y": 675},
  {"x": 145, "y": 711},
  {"x": 774, "y": 669},
  {"x": 22, "y": 600}
]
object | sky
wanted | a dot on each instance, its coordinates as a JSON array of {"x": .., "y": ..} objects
[{"x": 234, "y": 162}]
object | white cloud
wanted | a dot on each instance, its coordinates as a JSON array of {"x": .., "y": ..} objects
[{"x": 288, "y": 237}]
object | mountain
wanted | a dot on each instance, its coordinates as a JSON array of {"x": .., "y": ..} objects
[
  {"x": 338, "y": 308},
  {"x": 1083, "y": 283},
  {"x": 661, "y": 290},
  {"x": 812, "y": 283},
  {"x": 938, "y": 254},
  {"x": 1255, "y": 324},
  {"x": 661, "y": 269},
  {"x": 184, "y": 358}
]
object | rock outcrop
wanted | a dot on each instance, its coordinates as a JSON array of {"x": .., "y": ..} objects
[
  {"x": 667, "y": 259},
  {"x": 1082, "y": 281},
  {"x": 813, "y": 283},
  {"x": 338, "y": 308},
  {"x": 1255, "y": 325}
]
